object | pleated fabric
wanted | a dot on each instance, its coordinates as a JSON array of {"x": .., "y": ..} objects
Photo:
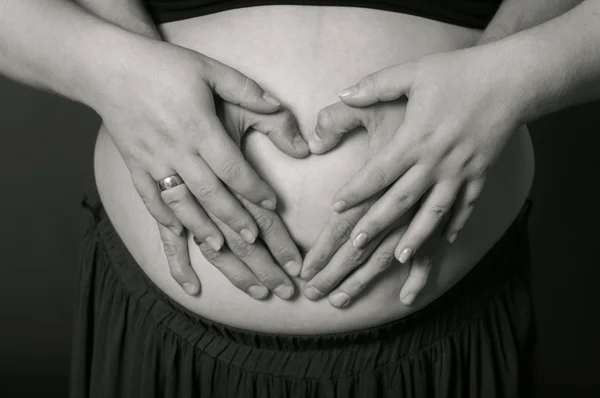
[{"x": 131, "y": 340}]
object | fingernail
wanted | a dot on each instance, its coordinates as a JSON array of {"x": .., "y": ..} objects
[
  {"x": 307, "y": 274},
  {"x": 300, "y": 144},
  {"x": 408, "y": 299},
  {"x": 213, "y": 243},
  {"x": 284, "y": 291},
  {"x": 258, "y": 292},
  {"x": 176, "y": 231},
  {"x": 293, "y": 268},
  {"x": 340, "y": 299},
  {"x": 348, "y": 92},
  {"x": 190, "y": 288},
  {"x": 360, "y": 240},
  {"x": 268, "y": 204},
  {"x": 452, "y": 237},
  {"x": 405, "y": 255},
  {"x": 247, "y": 235},
  {"x": 269, "y": 98},
  {"x": 312, "y": 293},
  {"x": 338, "y": 206}
]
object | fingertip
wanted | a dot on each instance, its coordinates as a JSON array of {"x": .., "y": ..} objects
[
  {"x": 408, "y": 298},
  {"x": 452, "y": 237},
  {"x": 293, "y": 268},
  {"x": 339, "y": 206},
  {"x": 316, "y": 146},
  {"x": 268, "y": 204},
  {"x": 191, "y": 288},
  {"x": 271, "y": 99},
  {"x": 307, "y": 274},
  {"x": 248, "y": 235},
  {"x": 301, "y": 146},
  {"x": 348, "y": 92}
]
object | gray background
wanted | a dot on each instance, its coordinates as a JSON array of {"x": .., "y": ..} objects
[{"x": 46, "y": 148}]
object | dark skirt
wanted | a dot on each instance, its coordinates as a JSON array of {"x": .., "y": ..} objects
[{"x": 131, "y": 340}]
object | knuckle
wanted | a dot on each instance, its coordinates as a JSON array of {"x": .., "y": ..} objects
[
  {"x": 174, "y": 202},
  {"x": 266, "y": 222},
  {"x": 438, "y": 211},
  {"x": 232, "y": 168},
  {"x": 241, "y": 248},
  {"x": 356, "y": 256},
  {"x": 341, "y": 230},
  {"x": 171, "y": 249},
  {"x": 403, "y": 201},
  {"x": 206, "y": 192},
  {"x": 382, "y": 261},
  {"x": 379, "y": 176},
  {"x": 209, "y": 254}
]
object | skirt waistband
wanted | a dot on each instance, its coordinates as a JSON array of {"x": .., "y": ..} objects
[{"x": 369, "y": 348}]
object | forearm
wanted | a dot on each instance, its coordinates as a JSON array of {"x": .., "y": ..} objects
[
  {"x": 516, "y": 15},
  {"x": 57, "y": 46},
  {"x": 127, "y": 14},
  {"x": 553, "y": 65}
]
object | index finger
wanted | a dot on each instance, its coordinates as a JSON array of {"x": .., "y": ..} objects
[
  {"x": 226, "y": 160},
  {"x": 276, "y": 237},
  {"x": 386, "y": 84},
  {"x": 333, "y": 235},
  {"x": 384, "y": 168}
]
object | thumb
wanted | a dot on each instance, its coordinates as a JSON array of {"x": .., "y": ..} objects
[
  {"x": 281, "y": 128},
  {"x": 384, "y": 85},
  {"x": 333, "y": 122},
  {"x": 236, "y": 88}
]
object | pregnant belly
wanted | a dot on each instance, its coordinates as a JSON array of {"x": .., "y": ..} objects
[{"x": 304, "y": 56}]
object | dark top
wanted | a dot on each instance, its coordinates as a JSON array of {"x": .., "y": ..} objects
[{"x": 469, "y": 13}]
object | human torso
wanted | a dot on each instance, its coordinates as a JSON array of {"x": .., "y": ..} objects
[{"x": 304, "y": 56}]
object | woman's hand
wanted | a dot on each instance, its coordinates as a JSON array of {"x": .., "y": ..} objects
[
  {"x": 333, "y": 256},
  {"x": 157, "y": 103},
  {"x": 461, "y": 111},
  {"x": 255, "y": 268}
]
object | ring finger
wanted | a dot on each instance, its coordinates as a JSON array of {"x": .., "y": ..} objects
[
  {"x": 185, "y": 207},
  {"x": 401, "y": 196},
  {"x": 429, "y": 216},
  {"x": 214, "y": 197},
  {"x": 381, "y": 259}
]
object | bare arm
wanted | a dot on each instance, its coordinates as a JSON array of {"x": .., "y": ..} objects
[
  {"x": 127, "y": 14},
  {"x": 516, "y": 15},
  {"x": 556, "y": 64},
  {"x": 38, "y": 46}
]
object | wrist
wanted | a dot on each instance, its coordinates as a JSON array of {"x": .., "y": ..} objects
[
  {"x": 107, "y": 62},
  {"x": 528, "y": 75}
]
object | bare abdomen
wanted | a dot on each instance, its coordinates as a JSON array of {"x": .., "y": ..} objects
[{"x": 305, "y": 55}]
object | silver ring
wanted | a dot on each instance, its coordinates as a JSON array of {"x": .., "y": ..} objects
[{"x": 169, "y": 182}]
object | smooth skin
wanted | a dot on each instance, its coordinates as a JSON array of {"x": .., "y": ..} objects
[{"x": 460, "y": 113}]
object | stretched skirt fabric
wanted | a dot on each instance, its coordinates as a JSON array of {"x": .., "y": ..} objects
[{"x": 131, "y": 340}]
